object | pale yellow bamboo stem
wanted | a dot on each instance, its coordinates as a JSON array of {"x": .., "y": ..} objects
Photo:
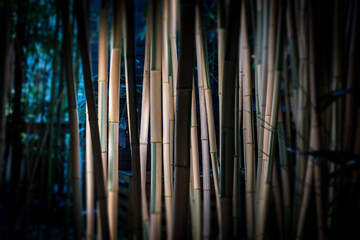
[
  {"x": 172, "y": 35},
  {"x": 90, "y": 188}
]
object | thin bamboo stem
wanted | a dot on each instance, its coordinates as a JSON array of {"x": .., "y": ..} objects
[
  {"x": 204, "y": 68},
  {"x": 144, "y": 125},
  {"x": 195, "y": 168},
  {"x": 204, "y": 138},
  {"x": 166, "y": 122}
]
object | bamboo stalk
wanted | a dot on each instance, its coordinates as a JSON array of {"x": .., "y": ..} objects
[
  {"x": 93, "y": 120},
  {"x": 301, "y": 113},
  {"x": 259, "y": 13},
  {"x": 114, "y": 96},
  {"x": 166, "y": 121},
  {"x": 73, "y": 123},
  {"x": 183, "y": 117},
  {"x": 221, "y": 37},
  {"x": 195, "y": 168},
  {"x": 272, "y": 105},
  {"x": 204, "y": 68},
  {"x": 236, "y": 173},
  {"x": 144, "y": 125},
  {"x": 285, "y": 173},
  {"x": 102, "y": 78},
  {"x": 173, "y": 12},
  {"x": 155, "y": 121},
  {"x": 227, "y": 128},
  {"x": 249, "y": 149},
  {"x": 90, "y": 193},
  {"x": 131, "y": 97},
  {"x": 204, "y": 137}
]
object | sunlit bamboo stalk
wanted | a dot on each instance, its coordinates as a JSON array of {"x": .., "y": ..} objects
[
  {"x": 155, "y": 123},
  {"x": 114, "y": 97}
]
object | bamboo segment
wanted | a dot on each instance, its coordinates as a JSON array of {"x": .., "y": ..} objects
[
  {"x": 259, "y": 13},
  {"x": 201, "y": 49},
  {"x": 114, "y": 96},
  {"x": 155, "y": 124},
  {"x": 204, "y": 138},
  {"x": 195, "y": 168},
  {"x": 166, "y": 122},
  {"x": 249, "y": 149},
  {"x": 144, "y": 125},
  {"x": 90, "y": 193}
]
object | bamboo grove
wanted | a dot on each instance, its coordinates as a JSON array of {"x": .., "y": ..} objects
[{"x": 265, "y": 145}]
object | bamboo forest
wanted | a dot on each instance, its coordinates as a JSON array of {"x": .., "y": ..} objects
[{"x": 180, "y": 119}]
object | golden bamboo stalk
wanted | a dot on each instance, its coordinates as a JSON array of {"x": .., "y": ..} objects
[
  {"x": 155, "y": 124},
  {"x": 114, "y": 97},
  {"x": 166, "y": 122}
]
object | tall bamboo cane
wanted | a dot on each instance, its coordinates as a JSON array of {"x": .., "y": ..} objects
[
  {"x": 204, "y": 68},
  {"x": 182, "y": 118},
  {"x": 102, "y": 78},
  {"x": 90, "y": 193},
  {"x": 155, "y": 121},
  {"x": 221, "y": 34},
  {"x": 272, "y": 104},
  {"x": 131, "y": 97},
  {"x": 74, "y": 123},
  {"x": 228, "y": 122},
  {"x": 114, "y": 97},
  {"x": 248, "y": 131},
  {"x": 144, "y": 125},
  {"x": 195, "y": 168},
  {"x": 103, "y": 86},
  {"x": 302, "y": 103},
  {"x": 203, "y": 133},
  {"x": 166, "y": 102},
  {"x": 93, "y": 120}
]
